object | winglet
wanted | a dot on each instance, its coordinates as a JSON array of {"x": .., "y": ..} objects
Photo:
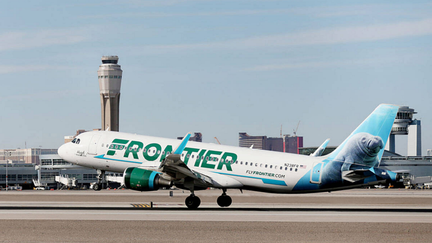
[
  {"x": 320, "y": 149},
  {"x": 183, "y": 143}
]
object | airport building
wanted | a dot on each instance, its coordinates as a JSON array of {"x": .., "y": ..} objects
[
  {"x": 286, "y": 143},
  {"x": 23, "y": 156}
]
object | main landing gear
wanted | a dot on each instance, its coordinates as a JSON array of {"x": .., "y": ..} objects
[
  {"x": 100, "y": 179},
  {"x": 224, "y": 200},
  {"x": 193, "y": 202}
]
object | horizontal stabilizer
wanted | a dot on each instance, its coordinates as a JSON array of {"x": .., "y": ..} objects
[{"x": 356, "y": 175}]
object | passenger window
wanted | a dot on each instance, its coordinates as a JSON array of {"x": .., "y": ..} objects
[
  {"x": 266, "y": 166},
  {"x": 271, "y": 166},
  {"x": 245, "y": 163}
]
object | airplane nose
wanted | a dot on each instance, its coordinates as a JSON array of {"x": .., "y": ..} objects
[{"x": 62, "y": 151}]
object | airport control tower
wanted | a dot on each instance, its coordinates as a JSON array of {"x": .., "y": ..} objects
[
  {"x": 110, "y": 75},
  {"x": 404, "y": 124}
]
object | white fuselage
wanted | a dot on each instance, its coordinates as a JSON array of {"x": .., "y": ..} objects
[{"x": 254, "y": 169}]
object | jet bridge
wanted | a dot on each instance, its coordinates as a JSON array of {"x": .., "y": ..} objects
[{"x": 66, "y": 182}]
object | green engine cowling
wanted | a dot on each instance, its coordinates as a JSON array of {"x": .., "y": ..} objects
[{"x": 144, "y": 180}]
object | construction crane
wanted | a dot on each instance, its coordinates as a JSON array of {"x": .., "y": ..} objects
[
  {"x": 217, "y": 140},
  {"x": 295, "y": 131},
  {"x": 281, "y": 131}
]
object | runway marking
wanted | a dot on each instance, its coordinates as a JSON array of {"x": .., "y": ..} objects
[{"x": 143, "y": 205}]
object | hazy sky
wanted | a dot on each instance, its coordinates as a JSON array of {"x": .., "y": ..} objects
[{"x": 213, "y": 66}]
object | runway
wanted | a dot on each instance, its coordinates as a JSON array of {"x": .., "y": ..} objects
[{"x": 377, "y": 215}]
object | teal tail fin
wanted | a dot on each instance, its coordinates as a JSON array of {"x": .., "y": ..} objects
[{"x": 373, "y": 132}]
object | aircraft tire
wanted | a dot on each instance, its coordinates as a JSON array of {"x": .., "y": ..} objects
[
  {"x": 97, "y": 187},
  {"x": 192, "y": 202},
  {"x": 224, "y": 201}
]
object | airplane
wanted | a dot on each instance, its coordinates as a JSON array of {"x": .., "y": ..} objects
[{"x": 150, "y": 163}]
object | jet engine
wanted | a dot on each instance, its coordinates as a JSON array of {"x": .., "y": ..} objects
[{"x": 144, "y": 180}]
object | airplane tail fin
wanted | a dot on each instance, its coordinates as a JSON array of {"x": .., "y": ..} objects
[{"x": 370, "y": 138}]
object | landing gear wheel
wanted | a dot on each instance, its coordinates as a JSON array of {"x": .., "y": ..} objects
[
  {"x": 192, "y": 202},
  {"x": 224, "y": 201},
  {"x": 97, "y": 187}
]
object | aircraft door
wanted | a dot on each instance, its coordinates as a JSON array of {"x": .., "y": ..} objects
[
  {"x": 92, "y": 149},
  {"x": 316, "y": 173}
]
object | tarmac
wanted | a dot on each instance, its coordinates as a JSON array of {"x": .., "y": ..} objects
[{"x": 374, "y": 215}]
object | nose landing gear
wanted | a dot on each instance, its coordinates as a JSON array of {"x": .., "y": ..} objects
[{"x": 100, "y": 179}]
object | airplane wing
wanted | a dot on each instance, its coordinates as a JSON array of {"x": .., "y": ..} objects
[{"x": 176, "y": 169}]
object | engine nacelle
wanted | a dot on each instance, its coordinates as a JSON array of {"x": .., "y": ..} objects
[{"x": 144, "y": 180}]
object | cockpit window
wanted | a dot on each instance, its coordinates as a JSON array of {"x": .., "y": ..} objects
[
  {"x": 74, "y": 140},
  {"x": 78, "y": 141}
]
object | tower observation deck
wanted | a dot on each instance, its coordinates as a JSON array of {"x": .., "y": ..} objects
[
  {"x": 404, "y": 124},
  {"x": 110, "y": 76}
]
